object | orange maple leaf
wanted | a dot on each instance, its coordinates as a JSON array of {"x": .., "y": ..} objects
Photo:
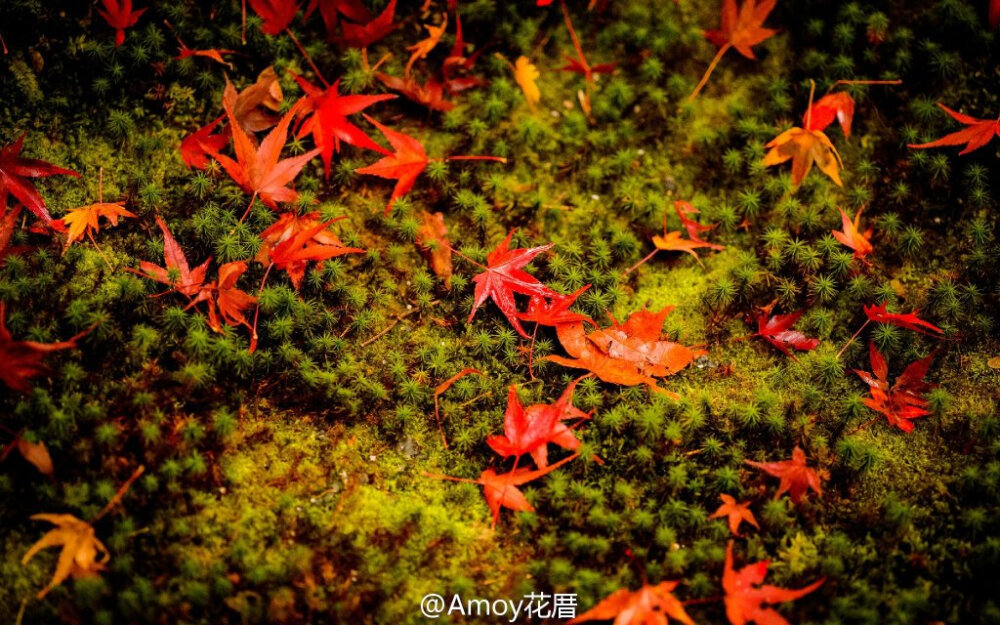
[
  {"x": 796, "y": 477},
  {"x": 224, "y": 299},
  {"x": 650, "y": 605},
  {"x": 84, "y": 220},
  {"x": 735, "y": 513},
  {"x": 854, "y": 238},
  {"x": 432, "y": 239},
  {"x": 423, "y": 47},
  {"x": 805, "y": 147},
  {"x": 291, "y": 242},
  {"x": 630, "y": 353},
  {"x": 259, "y": 171},
  {"x": 740, "y": 28}
]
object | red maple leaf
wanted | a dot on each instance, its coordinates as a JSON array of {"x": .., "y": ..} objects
[
  {"x": 910, "y": 321},
  {"x": 530, "y": 430},
  {"x": 224, "y": 300},
  {"x": 501, "y": 490},
  {"x": 852, "y": 237},
  {"x": 407, "y": 162},
  {"x": 902, "y": 401},
  {"x": 363, "y": 35},
  {"x": 553, "y": 309},
  {"x": 324, "y": 115},
  {"x": 213, "y": 54},
  {"x": 120, "y": 16},
  {"x": 14, "y": 173},
  {"x": 276, "y": 14},
  {"x": 23, "y": 359},
  {"x": 796, "y": 478},
  {"x": 292, "y": 242},
  {"x": 994, "y": 13},
  {"x": 650, "y": 605},
  {"x": 503, "y": 277},
  {"x": 259, "y": 171},
  {"x": 197, "y": 146},
  {"x": 745, "y": 596},
  {"x": 580, "y": 64},
  {"x": 628, "y": 354},
  {"x": 429, "y": 94},
  {"x": 833, "y": 106},
  {"x": 735, "y": 513},
  {"x": 331, "y": 10},
  {"x": 8, "y": 223},
  {"x": 188, "y": 281},
  {"x": 777, "y": 331},
  {"x": 978, "y": 133}
]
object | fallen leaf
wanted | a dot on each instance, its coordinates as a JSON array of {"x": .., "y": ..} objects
[
  {"x": 432, "y": 238},
  {"x": 650, "y": 605},
  {"x": 423, "y": 47},
  {"x": 197, "y": 147},
  {"x": 777, "y": 331},
  {"x": 734, "y": 513},
  {"x": 276, "y": 14},
  {"x": 903, "y": 401},
  {"x": 23, "y": 359},
  {"x": 977, "y": 135},
  {"x": 910, "y": 321},
  {"x": 363, "y": 35},
  {"x": 805, "y": 147},
  {"x": 84, "y": 219},
  {"x": 796, "y": 478},
  {"x": 745, "y": 596},
  {"x": 15, "y": 170},
  {"x": 833, "y": 106},
  {"x": 852, "y": 237},
  {"x": 188, "y": 281},
  {"x": 292, "y": 242},
  {"x": 119, "y": 15},
  {"x": 256, "y": 106},
  {"x": 526, "y": 76},
  {"x": 82, "y": 554}
]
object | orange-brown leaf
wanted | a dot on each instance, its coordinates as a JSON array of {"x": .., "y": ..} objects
[
  {"x": 432, "y": 237},
  {"x": 650, "y": 605},
  {"x": 82, "y": 553},
  {"x": 805, "y": 147}
]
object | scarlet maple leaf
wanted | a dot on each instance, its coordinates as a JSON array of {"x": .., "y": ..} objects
[
  {"x": 745, "y": 596},
  {"x": 553, "y": 309},
  {"x": 852, "y": 237},
  {"x": 292, "y": 242},
  {"x": 407, "y": 162},
  {"x": 432, "y": 239},
  {"x": 530, "y": 430},
  {"x": 364, "y": 35},
  {"x": 120, "y": 16},
  {"x": 429, "y": 94},
  {"x": 188, "y": 281},
  {"x": 503, "y": 277},
  {"x": 796, "y": 478},
  {"x": 331, "y": 10},
  {"x": 23, "y": 359},
  {"x": 324, "y": 115},
  {"x": 839, "y": 106},
  {"x": 978, "y": 133},
  {"x": 14, "y": 173},
  {"x": 224, "y": 299},
  {"x": 735, "y": 513},
  {"x": 276, "y": 14},
  {"x": 805, "y": 147},
  {"x": 903, "y": 401},
  {"x": 8, "y": 223},
  {"x": 777, "y": 331},
  {"x": 627, "y": 354},
  {"x": 650, "y": 605},
  {"x": 259, "y": 171},
  {"x": 197, "y": 146},
  {"x": 84, "y": 219},
  {"x": 213, "y": 54},
  {"x": 910, "y": 321},
  {"x": 255, "y": 107},
  {"x": 501, "y": 490}
]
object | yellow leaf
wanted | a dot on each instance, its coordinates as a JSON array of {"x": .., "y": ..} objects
[
  {"x": 82, "y": 554},
  {"x": 526, "y": 75},
  {"x": 994, "y": 363},
  {"x": 79, "y": 221}
]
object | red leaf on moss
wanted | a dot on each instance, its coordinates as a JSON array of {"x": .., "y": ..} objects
[
  {"x": 292, "y": 242},
  {"x": 852, "y": 237},
  {"x": 331, "y": 10},
  {"x": 503, "y": 277},
  {"x": 23, "y": 359},
  {"x": 743, "y": 28},
  {"x": 200, "y": 144},
  {"x": 224, "y": 300},
  {"x": 323, "y": 114},
  {"x": 119, "y": 15},
  {"x": 746, "y": 596},
  {"x": 977, "y": 135},
  {"x": 903, "y": 401},
  {"x": 432, "y": 239},
  {"x": 429, "y": 94},
  {"x": 15, "y": 170},
  {"x": 777, "y": 331},
  {"x": 833, "y": 106},
  {"x": 363, "y": 35},
  {"x": 553, "y": 309},
  {"x": 796, "y": 478},
  {"x": 910, "y": 321},
  {"x": 189, "y": 281},
  {"x": 276, "y": 14},
  {"x": 735, "y": 513}
]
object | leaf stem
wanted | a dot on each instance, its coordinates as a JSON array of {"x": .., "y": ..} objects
[
  {"x": 711, "y": 68},
  {"x": 809, "y": 111},
  {"x": 118, "y": 496},
  {"x": 641, "y": 262},
  {"x": 308, "y": 58},
  {"x": 851, "y": 340}
]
